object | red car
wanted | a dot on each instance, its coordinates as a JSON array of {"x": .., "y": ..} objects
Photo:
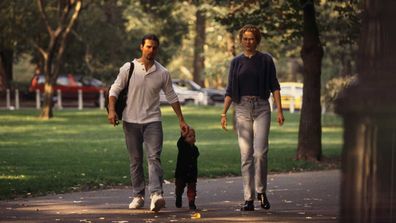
[{"x": 69, "y": 85}]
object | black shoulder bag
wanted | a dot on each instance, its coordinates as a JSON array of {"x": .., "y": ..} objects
[{"x": 122, "y": 97}]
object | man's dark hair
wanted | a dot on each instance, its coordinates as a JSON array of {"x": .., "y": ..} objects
[{"x": 150, "y": 37}]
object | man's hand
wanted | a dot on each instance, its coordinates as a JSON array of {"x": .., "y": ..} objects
[
  {"x": 112, "y": 117},
  {"x": 184, "y": 128}
]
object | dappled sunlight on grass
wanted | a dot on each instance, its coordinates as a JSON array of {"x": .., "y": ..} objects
[
  {"x": 79, "y": 149},
  {"x": 14, "y": 177},
  {"x": 332, "y": 129},
  {"x": 332, "y": 142},
  {"x": 283, "y": 129},
  {"x": 54, "y": 130},
  {"x": 282, "y": 142}
]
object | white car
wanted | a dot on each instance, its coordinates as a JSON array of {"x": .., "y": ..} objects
[
  {"x": 185, "y": 96},
  {"x": 211, "y": 96}
]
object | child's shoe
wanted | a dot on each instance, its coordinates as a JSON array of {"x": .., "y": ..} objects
[{"x": 192, "y": 206}]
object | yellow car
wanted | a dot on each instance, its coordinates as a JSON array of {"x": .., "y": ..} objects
[{"x": 291, "y": 92}]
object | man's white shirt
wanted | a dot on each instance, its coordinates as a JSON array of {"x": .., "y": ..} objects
[{"x": 143, "y": 105}]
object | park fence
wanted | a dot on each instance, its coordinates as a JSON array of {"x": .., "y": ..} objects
[{"x": 14, "y": 101}]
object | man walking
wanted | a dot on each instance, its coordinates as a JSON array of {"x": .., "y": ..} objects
[{"x": 142, "y": 119}]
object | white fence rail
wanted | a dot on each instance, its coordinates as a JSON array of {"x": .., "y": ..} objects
[
  {"x": 13, "y": 100},
  {"x": 79, "y": 103}
]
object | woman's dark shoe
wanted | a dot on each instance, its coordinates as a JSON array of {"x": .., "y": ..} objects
[
  {"x": 178, "y": 201},
  {"x": 264, "y": 201},
  {"x": 248, "y": 206}
]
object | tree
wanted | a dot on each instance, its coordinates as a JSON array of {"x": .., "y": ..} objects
[
  {"x": 170, "y": 30},
  {"x": 58, "y": 27},
  {"x": 15, "y": 24},
  {"x": 99, "y": 42},
  {"x": 199, "y": 42},
  {"x": 368, "y": 109},
  {"x": 6, "y": 44},
  {"x": 310, "y": 129}
]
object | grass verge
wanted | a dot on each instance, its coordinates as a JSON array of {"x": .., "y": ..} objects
[{"x": 78, "y": 150}]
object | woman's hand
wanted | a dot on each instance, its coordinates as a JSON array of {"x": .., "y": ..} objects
[
  {"x": 224, "y": 121},
  {"x": 280, "y": 118}
]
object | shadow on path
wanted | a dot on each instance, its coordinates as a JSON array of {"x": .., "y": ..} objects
[{"x": 294, "y": 197}]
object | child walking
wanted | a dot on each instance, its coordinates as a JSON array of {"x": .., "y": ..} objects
[{"x": 186, "y": 169}]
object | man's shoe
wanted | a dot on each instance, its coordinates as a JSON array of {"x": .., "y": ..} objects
[
  {"x": 137, "y": 202},
  {"x": 192, "y": 206},
  {"x": 265, "y": 204},
  {"x": 178, "y": 201},
  {"x": 157, "y": 202},
  {"x": 248, "y": 206}
]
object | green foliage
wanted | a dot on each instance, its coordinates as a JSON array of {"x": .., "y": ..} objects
[
  {"x": 100, "y": 43},
  {"x": 146, "y": 16},
  {"x": 101, "y": 40},
  {"x": 334, "y": 87},
  {"x": 79, "y": 150},
  {"x": 17, "y": 20},
  {"x": 108, "y": 34},
  {"x": 217, "y": 58},
  {"x": 281, "y": 24}
]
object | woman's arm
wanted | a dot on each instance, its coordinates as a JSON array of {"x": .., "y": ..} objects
[{"x": 278, "y": 102}]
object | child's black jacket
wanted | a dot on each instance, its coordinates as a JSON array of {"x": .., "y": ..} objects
[{"x": 186, "y": 167}]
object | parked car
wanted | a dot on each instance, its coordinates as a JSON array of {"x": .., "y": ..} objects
[
  {"x": 291, "y": 91},
  {"x": 69, "y": 85},
  {"x": 211, "y": 96},
  {"x": 185, "y": 96}
]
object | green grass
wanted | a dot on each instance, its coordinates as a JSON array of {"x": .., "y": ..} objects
[{"x": 78, "y": 150}]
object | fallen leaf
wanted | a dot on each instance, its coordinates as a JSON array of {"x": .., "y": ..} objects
[{"x": 196, "y": 216}]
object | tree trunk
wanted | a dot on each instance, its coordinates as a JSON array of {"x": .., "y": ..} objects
[
  {"x": 368, "y": 185},
  {"x": 46, "y": 112},
  {"x": 6, "y": 62},
  {"x": 199, "y": 54},
  {"x": 230, "y": 44},
  {"x": 3, "y": 77},
  {"x": 294, "y": 69},
  {"x": 310, "y": 129}
]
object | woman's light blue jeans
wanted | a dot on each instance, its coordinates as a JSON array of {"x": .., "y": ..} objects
[
  {"x": 253, "y": 117},
  {"x": 151, "y": 136}
]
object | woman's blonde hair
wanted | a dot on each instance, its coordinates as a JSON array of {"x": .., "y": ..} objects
[{"x": 250, "y": 28}]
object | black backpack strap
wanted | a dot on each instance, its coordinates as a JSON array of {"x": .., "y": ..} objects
[{"x": 130, "y": 74}]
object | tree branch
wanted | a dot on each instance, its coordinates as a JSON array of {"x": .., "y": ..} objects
[
  {"x": 74, "y": 17},
  {"x": 65, "y": 12},
  {"x": 41, "y": 50},
  {"x": 73, "y": 20},
  {"x": 44, "y": 16}
]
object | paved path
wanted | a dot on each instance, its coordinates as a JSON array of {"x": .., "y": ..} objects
[{"x": 295, "y": 197}]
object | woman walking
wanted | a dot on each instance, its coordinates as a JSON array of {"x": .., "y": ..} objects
[{"x": 251, "y": 80}]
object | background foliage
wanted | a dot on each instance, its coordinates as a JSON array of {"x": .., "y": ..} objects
[{"x": 108, "y": 34}]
